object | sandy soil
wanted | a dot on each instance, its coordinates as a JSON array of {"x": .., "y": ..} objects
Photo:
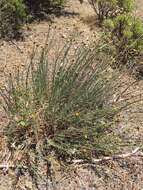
[
  {"x": 115, "y": 175},
  {"x": 139, "y": 8}
]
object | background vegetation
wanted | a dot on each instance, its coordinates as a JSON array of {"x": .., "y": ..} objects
[
  {"x": 14, "y": 13},
  {"x": 111, "y": 8},
  {"x": 123, "y": 32}
]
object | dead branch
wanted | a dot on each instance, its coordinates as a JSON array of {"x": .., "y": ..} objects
[
  {"x": 134, "y": 153},
  {"x": 8, "y": 166},
  {"x": 2, "y": 166},
  {"x": 13, "y": 43}
]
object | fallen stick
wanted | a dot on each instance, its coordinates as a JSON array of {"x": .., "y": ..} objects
[
  {"x": 6, "y": 167},
  {"x": 2, "y": 166},
  {"x": 134, "y": 153},
  {"x": 13, "y": 43}
]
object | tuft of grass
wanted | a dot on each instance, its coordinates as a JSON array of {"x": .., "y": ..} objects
[{"x": 64, "y": 105}]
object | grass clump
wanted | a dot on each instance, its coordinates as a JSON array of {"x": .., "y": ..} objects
[{"x": 63, "y": 106}]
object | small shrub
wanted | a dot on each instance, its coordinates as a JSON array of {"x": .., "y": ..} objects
[
  {"x": 36, "y": 7},
  {"x": 111, "y": 8},
  {"x": 12, "y": 15},
  {"x": 126, "y": 34}
]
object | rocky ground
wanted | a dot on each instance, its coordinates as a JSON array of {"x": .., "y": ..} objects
[{"x": 117, "y": 175}]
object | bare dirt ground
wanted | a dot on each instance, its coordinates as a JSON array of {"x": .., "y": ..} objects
[
  {"x": 139, "y": 8},
  {"x": 117, "y": 175}
]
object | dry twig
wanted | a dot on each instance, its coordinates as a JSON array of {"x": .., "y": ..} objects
[{"x": 134, "y": 153}]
